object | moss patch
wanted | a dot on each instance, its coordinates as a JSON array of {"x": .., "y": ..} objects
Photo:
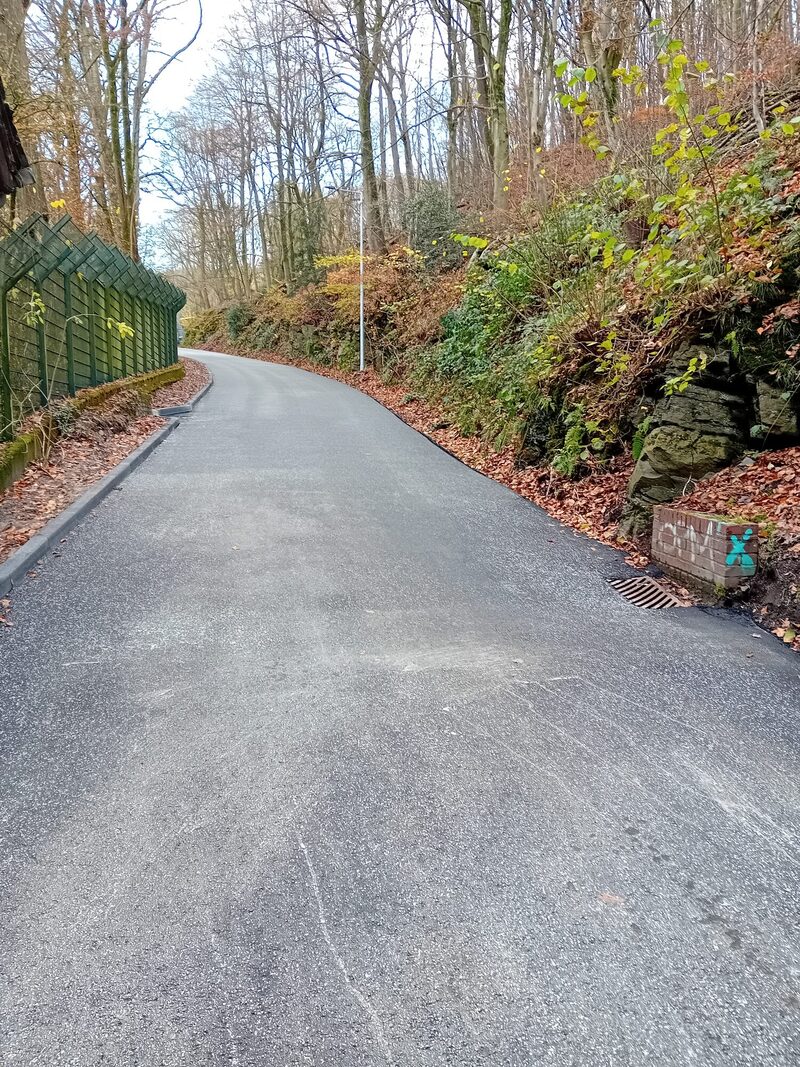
[{"x": 143, "y": 384}]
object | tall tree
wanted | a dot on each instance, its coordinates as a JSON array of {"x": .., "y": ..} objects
[{"x": 490, "y": 39}]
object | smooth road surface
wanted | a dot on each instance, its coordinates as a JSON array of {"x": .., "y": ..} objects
[{"x": 317, "y": 747}]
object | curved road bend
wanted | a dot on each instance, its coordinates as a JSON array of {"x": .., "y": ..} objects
[{"x": 320, "y": 748}]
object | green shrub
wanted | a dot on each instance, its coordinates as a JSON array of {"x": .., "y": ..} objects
[
  {"x": 560, "y": 248},
  {"x": 429, "y": 217},
  {"x": 347, "y": 354},
  {"x": 260, "y": 335},
  {"x": 199, "y": 326},
  {"x": 237, "y": 318},
  {"x": 581, "y": 439}
]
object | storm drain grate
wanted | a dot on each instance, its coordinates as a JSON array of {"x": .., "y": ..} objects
[{"x": 645, "y": 592}]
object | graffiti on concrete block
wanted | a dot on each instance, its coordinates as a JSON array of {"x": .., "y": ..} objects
[
  {"x": 693, "y": 544},
  {"x": 696, "y": 544},
  {"x": 739, "y": 554}
]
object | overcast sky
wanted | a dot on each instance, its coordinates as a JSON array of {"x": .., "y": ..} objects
[{"x": 176, "y": 83}]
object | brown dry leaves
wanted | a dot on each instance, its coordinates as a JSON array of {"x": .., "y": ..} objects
[
  {"x": 184, "y": 390},
  {"x": 769, "y": 488},
  {"x": 74, "y": 464}
]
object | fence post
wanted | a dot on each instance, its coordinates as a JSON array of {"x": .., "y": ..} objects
[
  {"x": 137, "y": 315},
  {"x": 123, "y": 344},
  {"x": 140, "y": 334},
  {"x": 145, "y": 338},
  {"x": 157, "y": 334},
  {"x": 92, "y": 331},
  {"x": 107, "y": 338},
  {"x": 69, "y": 335},
  {"x": 5, "y": 353},
  {"x": 41, "y": 346},
  {"x": 153, "y": 339},
  {"x": 127, "y": 307},
  {"x": 134, "y": 353}
]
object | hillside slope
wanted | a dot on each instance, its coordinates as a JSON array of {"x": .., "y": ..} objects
[{"x": 616, "y": 355}]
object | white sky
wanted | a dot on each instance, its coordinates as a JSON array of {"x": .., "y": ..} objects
[{"x": 175, "y": 85}]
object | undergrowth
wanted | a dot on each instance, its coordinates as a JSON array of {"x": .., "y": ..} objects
[{"x": 559, "y": 339}]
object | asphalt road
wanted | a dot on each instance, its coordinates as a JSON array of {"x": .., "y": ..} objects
[{"x": 317, "y": 747}]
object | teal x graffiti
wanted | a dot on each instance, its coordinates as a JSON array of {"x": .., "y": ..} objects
[{"x": 739, "y": 553}]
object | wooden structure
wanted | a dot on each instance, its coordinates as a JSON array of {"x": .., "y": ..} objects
[{"x": 15, "y": 171}]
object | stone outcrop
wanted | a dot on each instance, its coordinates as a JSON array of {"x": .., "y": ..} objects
[
  {"x": 694, "y": 433},
  {"x": 777, "y": 418}
]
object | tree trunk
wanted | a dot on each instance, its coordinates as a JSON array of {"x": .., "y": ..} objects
[{"x": 376, "y": 237}]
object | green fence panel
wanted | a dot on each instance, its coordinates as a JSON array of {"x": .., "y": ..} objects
[
  {"x": 68, "y": 304},
  {"x": 82, "y": 355},
  {"x": 24, "y": 348}
]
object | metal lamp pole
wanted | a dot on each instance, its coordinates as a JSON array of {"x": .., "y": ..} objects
[{"x": 361, "y": 363}]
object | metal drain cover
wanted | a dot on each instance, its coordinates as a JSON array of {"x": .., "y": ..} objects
[{"x": 645, "y": 592}]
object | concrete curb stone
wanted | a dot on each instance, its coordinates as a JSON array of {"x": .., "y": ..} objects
[{"x": 186, "y": 409}]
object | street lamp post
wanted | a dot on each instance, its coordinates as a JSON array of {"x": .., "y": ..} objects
[{"x": 361, "y": 363}]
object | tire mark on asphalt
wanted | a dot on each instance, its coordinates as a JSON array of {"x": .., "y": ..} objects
[{"x": 520, "y": 757}]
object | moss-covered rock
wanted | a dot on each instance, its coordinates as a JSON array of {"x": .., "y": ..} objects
[
  {"x": 143, "y": 384},
  {"x": 22, "y": 451},
  {"x": 705, "y": 408},
  {"x": 695, "y": 432},
  {"x": 673, "y": 458},
  {"x": 777, "y": 417}
]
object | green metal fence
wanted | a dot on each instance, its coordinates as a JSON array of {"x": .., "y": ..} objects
[{"x": 76, "y": 312}]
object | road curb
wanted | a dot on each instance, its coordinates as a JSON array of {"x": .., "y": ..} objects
[
  {"x": 21, "y": 561},
  {"x": 188, "y": 408}
]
